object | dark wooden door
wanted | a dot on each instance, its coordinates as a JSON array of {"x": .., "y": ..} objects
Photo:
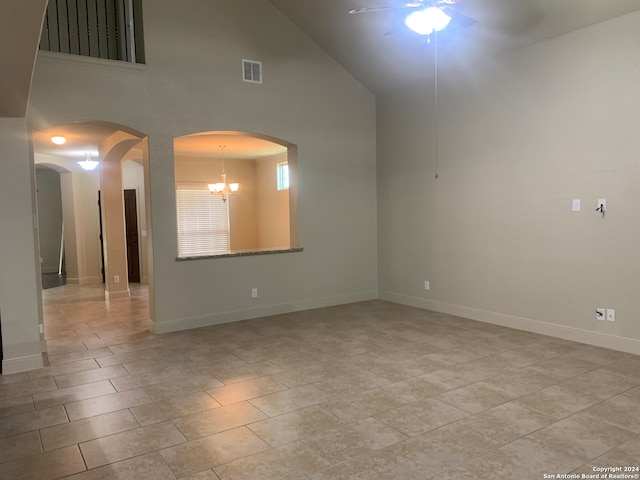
[
  {"x": 101, "y": 237},
  {"x": 131, "y": 227}
]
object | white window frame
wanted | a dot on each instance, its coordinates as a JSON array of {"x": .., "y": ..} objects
[
  {"x": 282, "y": 176},
  {"x": 202, "y": 222}
]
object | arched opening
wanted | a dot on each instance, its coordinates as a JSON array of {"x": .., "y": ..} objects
[
  {"x": 261, "y": 216},
  {"x": 93, "y": 201}
]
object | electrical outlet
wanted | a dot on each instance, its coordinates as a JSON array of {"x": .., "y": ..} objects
[
  {"x": 600, "y": 313},
  {"x": 427, "y": 286},
  {"x": 116, "y": 279},
  {"x": 41, "y": 328},
  {"x": 611, "y": 315},
  {"x": 254, "y": 293}
]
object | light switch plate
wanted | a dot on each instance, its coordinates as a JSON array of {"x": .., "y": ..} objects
[{"x": 575, "y": 205}]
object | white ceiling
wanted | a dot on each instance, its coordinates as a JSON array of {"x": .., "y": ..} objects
[{"x": 383, "y": 62}]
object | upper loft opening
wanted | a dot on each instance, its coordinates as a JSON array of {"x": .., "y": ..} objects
[{"x": 107, "y": 29}]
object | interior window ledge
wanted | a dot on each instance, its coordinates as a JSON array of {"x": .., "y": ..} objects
[{"x": 248, "y": 253}]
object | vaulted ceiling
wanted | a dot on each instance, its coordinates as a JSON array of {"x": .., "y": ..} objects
[
  {"x": 383, "y": 54},
  {"x": 376, "y": 48}
]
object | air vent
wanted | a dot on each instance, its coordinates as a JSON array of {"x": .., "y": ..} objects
[{"x": 251, "y": 71}]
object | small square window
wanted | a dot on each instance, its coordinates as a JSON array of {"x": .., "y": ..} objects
[
  {"x": 283, "y": 176},
  {"x": 251, "y": 71}
]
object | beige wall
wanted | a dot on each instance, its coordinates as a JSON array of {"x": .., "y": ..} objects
[
  {"x": 85, "y": 198},
  {"x": 20, "y": 304},
  {"x": 273, "y": 205},
  {"x": 520, "y": 137},
  {"x": 191, "y": 86},
  {"x": 49, "y": 218},
  {"x": 243, "y": 207}
]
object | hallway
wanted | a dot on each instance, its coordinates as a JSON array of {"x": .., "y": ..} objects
[{"x": 77, "y": 319}]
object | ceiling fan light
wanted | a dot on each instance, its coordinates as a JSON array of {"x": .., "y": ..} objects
[{"x": 426, "y": 21}]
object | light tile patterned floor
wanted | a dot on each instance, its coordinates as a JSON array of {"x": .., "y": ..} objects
[{"x": 370, "y": 390}]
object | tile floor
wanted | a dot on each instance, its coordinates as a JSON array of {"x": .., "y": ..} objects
[{"x": 370, "y": 390}]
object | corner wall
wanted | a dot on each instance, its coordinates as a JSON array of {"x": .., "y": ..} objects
[
  {"x": 20, "y": 303},
  {"x": 521, "y": 136}
]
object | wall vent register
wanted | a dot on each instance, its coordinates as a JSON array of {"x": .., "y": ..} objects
[{"x": 251, "y": 71}]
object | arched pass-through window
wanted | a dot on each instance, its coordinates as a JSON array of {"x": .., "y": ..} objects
[{"x": 231, "y": 198}]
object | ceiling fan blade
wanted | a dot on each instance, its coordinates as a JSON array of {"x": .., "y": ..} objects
[
  {"x": 459, "y": 18},
  {"x": 385, "y": 8}
]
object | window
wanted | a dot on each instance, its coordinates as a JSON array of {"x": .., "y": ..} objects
[
  {"x": 203, "y": 222},
  {"x": 283, "y": 176}
]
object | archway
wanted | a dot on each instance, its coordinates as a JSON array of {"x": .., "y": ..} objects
[{"x": 94, "y": 235}]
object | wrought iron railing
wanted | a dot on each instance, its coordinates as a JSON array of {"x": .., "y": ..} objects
[{"x": 109, "y": 29}]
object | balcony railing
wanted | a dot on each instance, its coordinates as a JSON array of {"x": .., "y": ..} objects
[{"x": 109, "y": 29}]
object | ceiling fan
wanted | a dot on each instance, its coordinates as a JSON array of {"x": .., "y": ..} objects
[{"x": 426, "y": 16}]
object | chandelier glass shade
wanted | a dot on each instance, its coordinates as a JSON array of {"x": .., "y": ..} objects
[{"x": 88, "y": 163}]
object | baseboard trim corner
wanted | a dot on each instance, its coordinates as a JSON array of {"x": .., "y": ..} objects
[
  {"x": 258, "y": 312},
  {"x": 22, "y": 364},
  {"x": 598, "y": 339}
]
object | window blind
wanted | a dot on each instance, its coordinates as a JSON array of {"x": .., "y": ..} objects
[{"x": 203, "y": 222}]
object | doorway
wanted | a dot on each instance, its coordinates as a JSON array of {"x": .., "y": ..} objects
[{"x": 131, "y": 233}]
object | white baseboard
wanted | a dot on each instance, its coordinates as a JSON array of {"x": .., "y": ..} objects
[
  {"x": 623, "y": 344},
  {"x": 21, "y": 364},
  {"x": 257, "y": 312},
  {"x": 115, "y": 295}
]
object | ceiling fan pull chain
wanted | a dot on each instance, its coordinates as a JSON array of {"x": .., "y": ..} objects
[{"x": 435, "y": 83}]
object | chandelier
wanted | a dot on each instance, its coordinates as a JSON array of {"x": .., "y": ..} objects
[
  {"x": 88, "y": 163},
  {"x": 223, "y": 189}
]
